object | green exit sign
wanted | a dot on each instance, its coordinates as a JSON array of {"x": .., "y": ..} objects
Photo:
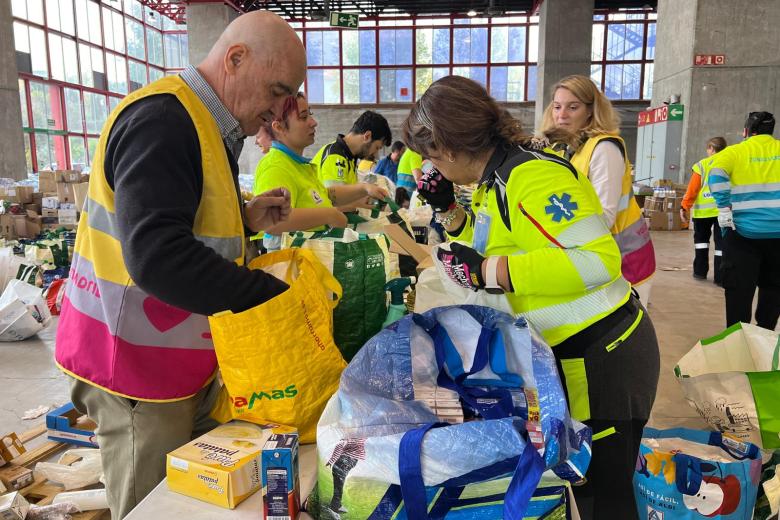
[{"x": 350, "y": 21}]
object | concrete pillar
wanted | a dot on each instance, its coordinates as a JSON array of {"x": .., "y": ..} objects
[
  {"x": 205, "y": 22},
  {"x": 717, "y": 98},
  {"x": 11, "y": 143},
  {"x": 565, "y": 33}
]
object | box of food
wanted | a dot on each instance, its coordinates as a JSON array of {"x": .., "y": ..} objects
[
  {"x": 16, "y": 477},
  {"x": 13, "y": 506},
  {"x": 281, "y": 483},
  {"x": 221, "y": 467}
]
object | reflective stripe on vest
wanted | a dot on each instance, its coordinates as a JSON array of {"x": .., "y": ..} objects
[
  {"x": 630, "y": 229},
  {"x": 704, "y": 206},
  {"x": 583, "y": 309},
  {"x": 111, "y": 333}
]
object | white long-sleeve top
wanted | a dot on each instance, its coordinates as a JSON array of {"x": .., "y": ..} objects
[{"x": 607, "y": 167}]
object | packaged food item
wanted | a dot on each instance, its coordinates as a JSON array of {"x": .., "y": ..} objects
[
  {"x": 16, "y": 477},
  {"x": 281, "y": 485},
  {"x": 221, "y": 467}
]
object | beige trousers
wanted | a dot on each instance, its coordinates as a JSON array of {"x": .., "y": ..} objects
[{"x": 135, "y": 436}]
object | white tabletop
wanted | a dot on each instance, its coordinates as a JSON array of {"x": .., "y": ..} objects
[{"x": 163, "y": 503}]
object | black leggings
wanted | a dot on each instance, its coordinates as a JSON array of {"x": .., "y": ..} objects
[{"x": 621, "y": 387}]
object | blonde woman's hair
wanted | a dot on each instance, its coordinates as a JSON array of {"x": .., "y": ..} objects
[{"x": 603, "y": 120}]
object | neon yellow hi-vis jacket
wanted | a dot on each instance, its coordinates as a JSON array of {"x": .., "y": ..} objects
[
  {"x": 547, "y": 219},
  {"x": 336, "y": 164}
]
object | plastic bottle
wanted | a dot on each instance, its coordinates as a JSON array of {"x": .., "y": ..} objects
[{"x": 396, "y": 310}]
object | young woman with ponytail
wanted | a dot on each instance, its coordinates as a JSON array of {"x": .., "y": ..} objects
[
  {"x": 579, "y": 107},
  {"x": 536, "y": 233}
]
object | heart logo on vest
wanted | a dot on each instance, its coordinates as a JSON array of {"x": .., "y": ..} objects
[{"x": 162, "y": 316}]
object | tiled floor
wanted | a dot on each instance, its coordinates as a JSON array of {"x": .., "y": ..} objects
[{"x": 683, "y": 310}]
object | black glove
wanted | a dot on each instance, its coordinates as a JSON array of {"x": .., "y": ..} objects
[
  {"x": 436, "y": 190},
  {"x": 463, "y": 265}
]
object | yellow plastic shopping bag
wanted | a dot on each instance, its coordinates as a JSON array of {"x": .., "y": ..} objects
[{"x": 278, "y": 360}]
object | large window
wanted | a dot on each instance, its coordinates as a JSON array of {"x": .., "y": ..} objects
[
  {"x": 76, "y": 59},
  {"x": 623, "y": 51},
  {"x": 395, "y": 59}
]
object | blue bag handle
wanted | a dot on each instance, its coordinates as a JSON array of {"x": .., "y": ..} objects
[
  {"x": 504, "y": 407},
  {"x": 525, "y": 479},
  {"x": 687, "y": 473}
]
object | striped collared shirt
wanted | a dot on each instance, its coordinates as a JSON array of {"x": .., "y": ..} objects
[{"x": 229, "y": 127}]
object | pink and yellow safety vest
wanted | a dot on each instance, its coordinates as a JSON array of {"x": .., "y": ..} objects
[
  {"x": 111, "y": 333},
  {"x": 630, "y": 230}
]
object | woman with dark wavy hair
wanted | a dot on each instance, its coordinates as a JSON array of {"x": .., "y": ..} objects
[{"x": 537, "y": 234}]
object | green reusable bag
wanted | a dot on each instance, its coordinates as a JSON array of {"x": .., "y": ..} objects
[{"x": 362, "y": 264}]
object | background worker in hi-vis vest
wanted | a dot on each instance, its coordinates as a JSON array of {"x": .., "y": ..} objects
[
  {"x": 699, "y": 205},
  {"x": 161, "y": 246},
  {"x": 745, "y": 183}
]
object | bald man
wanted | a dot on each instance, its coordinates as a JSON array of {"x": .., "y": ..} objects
[{"x": 160, "y": 248}]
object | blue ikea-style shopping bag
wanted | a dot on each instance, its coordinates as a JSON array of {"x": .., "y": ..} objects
[
  {"x": 457, "y": 413},
  {"x": 684, "y": 474}
]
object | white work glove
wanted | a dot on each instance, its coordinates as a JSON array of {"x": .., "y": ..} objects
[{"x": 726, "y": 219}]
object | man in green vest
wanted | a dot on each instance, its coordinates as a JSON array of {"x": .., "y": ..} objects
[{"x": 699, "y": 204}]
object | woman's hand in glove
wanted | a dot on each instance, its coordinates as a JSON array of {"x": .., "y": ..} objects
[
  {"x": 463, "y": 265},
  {"x": 436, "y": 190}
]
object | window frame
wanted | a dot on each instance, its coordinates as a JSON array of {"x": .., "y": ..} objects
[
  {"x": 415, "y": 23},
  {"x": 124, "y": 11}
]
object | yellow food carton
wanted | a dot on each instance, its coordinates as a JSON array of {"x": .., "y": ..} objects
[{"x": 221, "y": 467}]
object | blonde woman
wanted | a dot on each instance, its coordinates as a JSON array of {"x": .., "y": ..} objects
[{"x": 579, "y": 107}]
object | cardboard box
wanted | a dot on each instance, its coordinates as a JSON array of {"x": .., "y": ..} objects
[
  {"x": 80, "y": 192},
  {"x": 49, "y": 216},
  {"x": 71, "y": 176},
  {"x": 26, "y": 226},
  {"x": 37, "y": 198},
  {"x": 67, "y": 216},
  {"x": 221, "y": 467},
  {"x": 50, "y": 202},
  {"x": 24, "y": 194},
  {"x": 65, "y": 192},
  {"x": 281, "y": 483},
  {"x": 672, "y": 204},
  {"x": 654, "y": 204},
  {"x": 13, "y": 507},
  {"x": 402, "y": 243},
  {"x": 66, "y": 424},
  {"x": 665, "y": 221},
  {"x": 16, "y": 477},
  {"x": 35, "y": 208},
  {"x": 10, "y": 448},
  {"x": 47, "y": 181},
  {"x": 7, "y": 228}
]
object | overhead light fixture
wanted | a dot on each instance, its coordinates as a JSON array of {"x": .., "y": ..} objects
[
  {"x": 318, "y": 15},
  {"x": 492, "y": 10},
  {"x": 472, "y": 12}
]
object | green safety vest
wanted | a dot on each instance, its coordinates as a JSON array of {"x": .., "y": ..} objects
[
  {"x": 562, "y": 258},
  {"x": 704, "y": 206}
]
